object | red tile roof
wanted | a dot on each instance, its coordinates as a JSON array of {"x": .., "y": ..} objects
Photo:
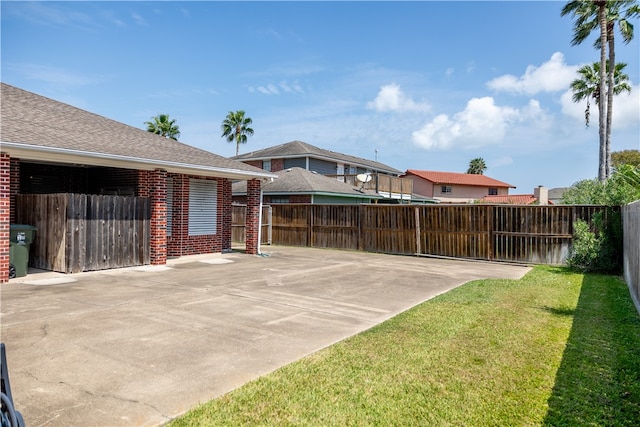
[
  {"x": 513, "y": 199},
  {"x": 454, "y": 178}
]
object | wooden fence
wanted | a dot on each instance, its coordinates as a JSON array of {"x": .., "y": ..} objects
[
  {"x": 631, "y": 248},
  {"x": 239, "y": 221},
  {"x": 530, "y": 234},
  {"x": 79, "y": 232}
]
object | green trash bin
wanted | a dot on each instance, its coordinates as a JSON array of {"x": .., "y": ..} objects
[{"x": 20, "y": 238}]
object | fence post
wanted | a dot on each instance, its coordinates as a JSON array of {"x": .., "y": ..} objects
[
  {"x": 418, "y": 233},
  {"x": 490, "y": 232}
]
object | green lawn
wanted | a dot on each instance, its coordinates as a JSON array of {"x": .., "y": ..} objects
[{"x": 554, "y": 348}]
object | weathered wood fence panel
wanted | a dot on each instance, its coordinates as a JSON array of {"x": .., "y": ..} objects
[
  {"x": 531, "y": 234},
  {"x": 387, "y": 229},
  {"x": 460, "y": 231},
  {"x": 79, "y": 232},
  {"x": 239, "y": 224},
  {"x": 631, "y": 249},
  {"x": 49, "y": 215}
]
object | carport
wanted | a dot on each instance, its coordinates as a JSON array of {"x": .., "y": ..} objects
[{"x": 48, "y": 147}]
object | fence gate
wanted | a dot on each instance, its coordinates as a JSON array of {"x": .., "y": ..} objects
[{"x": 80, "y": 232}]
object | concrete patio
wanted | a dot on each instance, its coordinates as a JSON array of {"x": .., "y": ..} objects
[{"x": 140, "y": 346}]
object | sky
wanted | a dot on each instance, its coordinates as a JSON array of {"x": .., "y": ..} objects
[{"x": 421, "y": 85}]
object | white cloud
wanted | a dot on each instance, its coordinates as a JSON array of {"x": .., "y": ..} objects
[
  {"x": 552, "y": 76},
  {"x": 391, "y": 98},
  {"x": 626, "y": 109},
  {"x": 480, "y": 123}
]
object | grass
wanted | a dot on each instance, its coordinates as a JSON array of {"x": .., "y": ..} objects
[{"x": 554, "y": 348}]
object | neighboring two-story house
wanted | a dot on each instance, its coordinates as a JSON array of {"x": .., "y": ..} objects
[
  {"x": 382, "y": 179},
  {"x": 453, "y": 187}
]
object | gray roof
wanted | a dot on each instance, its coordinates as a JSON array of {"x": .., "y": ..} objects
[
  {"x": 301, "y": 181},
  {"x": 295, "y": 149},
  {"x": 41, "y": 129}
]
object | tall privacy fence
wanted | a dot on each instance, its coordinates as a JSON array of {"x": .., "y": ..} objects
[
  {"x": 531, "y": 234},
  {"x": 80, "y": 232},
  {"x": 631, "y": 245}
]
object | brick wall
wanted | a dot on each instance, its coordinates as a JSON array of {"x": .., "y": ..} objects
[
  {"x": 158, "y": 196},
  {"x": 277, "y": 165},
  {"x": 180, "y": 243},
  {"x": 5, "y": 213},
  {"x": 224, "y": 205},
  {"x": 253, "y": 216},
  {"x": 255, "y": 163},
  {"x": 14, "y": 186}
]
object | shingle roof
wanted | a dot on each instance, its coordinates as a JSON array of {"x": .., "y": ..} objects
[
  {"x": 301, "y": 181},
  {"x": 298, "y": 149},
  {"x": 454, "y": 178},
  {"x": 36, "y": 127}
]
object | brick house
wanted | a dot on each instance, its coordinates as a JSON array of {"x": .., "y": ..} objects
[
  {"x": 452, "y": 187},
  {"x": 50, "y": 147}
]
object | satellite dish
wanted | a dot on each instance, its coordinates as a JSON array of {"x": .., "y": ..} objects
[{"x": 363, "y": 177}]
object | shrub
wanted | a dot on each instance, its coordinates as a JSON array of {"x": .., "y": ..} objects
[{"x": 598, "y": 249}]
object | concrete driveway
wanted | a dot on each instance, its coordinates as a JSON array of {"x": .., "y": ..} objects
[{"x": 140, "y": 346}]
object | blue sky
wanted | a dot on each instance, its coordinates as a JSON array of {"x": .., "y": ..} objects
[{"x": 421, "y": 85}]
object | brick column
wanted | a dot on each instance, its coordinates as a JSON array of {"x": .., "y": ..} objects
[
  {"x": 14, "y": 188},
  {"x": 253, "y": 216},
  {"x": 5, "y": 215},
  {"x": 158, "y": 196},
  {"x": 227, "y": 214}
]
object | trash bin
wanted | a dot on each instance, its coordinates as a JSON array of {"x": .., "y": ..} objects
[{"x": 20, "y": 238}]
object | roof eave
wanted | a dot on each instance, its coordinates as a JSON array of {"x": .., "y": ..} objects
[{"x": 78, "y": 157}]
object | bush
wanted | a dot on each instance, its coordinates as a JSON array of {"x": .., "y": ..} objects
[{"x": 600, "y": 249}]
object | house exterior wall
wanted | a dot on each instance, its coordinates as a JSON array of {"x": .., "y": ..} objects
[
  {"x": 323, "y": 167},
  {"x": 421, "y": 186},
  {"x": 459, "y": 193},
  {"x": 158, "y": 196},
  {"x": 151, "y": 184},
  {"x": 253, "y": 217},
  {"x": 180, "y": 243},
  {"x": 299, "y": 162},
  {"x": 5, "y": 215},
  {"x": 14, "y": 187},
  {"x": 277, "y": 165}
]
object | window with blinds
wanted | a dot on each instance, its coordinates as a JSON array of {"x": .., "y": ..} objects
[{"x": 203, "y": 207}]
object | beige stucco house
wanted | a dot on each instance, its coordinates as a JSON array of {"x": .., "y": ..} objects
[{"x": 453, "y": 187}]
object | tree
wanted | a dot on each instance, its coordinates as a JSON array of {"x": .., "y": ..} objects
[
  {"x": 625, "y": 157},
  {"x": 603, "y": 15},
  {"x": 163, "y": 125},
  {"x": 235, "y": 127},
  {"x": 477, "y": 166},
  {"x": 588, "y": 85},
  {"x": 583, "y": 11}
]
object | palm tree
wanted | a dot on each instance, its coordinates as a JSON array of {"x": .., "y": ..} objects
[
  {"x": 235, "y": 127},
  {"x": 588, "y": 85},
  {"x": 589, "y": 15},
  {"x": 583, "y": 12},
  {"x": 163, "y": 125},
  {"x": 477, "y": 166},
  {"x": 619, "y": 12}
]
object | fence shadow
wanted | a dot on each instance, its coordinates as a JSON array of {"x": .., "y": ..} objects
[{"x": 598, "y": 381}]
